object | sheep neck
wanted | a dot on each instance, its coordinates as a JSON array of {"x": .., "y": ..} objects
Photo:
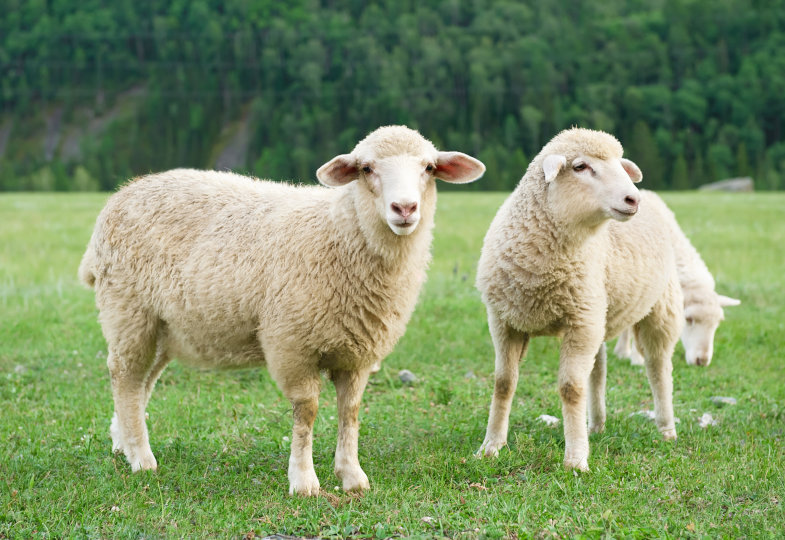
[
  {"x": 355, "y": 210},
  {"x": 554, "y": 238}
]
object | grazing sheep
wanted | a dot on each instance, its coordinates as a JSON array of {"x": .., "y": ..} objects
[
  {"x": 224, "y": 271},
  {"x": 702, "y": 305},
  {"x": 556, "y": 261}
]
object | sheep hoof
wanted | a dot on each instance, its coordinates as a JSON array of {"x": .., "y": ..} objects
[
  {"x": 145, "y": 462},
  {"x": 597, "y": 428},
  {"x": 669, "y": 434},
  {"x": 578, "y": 464},
  {"x": 490, "y": 449},
  {"x": 306, "y": 484},
  {"x": 356, "y": 480}
]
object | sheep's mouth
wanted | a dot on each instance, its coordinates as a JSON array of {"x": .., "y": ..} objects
[
  {"x": 623, "y": 215},
  {"x": 403, "y": 223},
  {"x": 402, "y": 228}
]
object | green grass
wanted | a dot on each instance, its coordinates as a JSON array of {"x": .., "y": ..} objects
[{"x": 220, "y": 437}]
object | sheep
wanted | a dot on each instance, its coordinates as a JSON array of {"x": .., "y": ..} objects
[
  {"x": 557, "y": 260},
  {"x": 225, "y": 271},
  {"x": 702, "y": 305}
]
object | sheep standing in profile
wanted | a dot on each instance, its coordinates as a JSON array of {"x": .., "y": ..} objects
[
  {"x": 224, "y": 271},
  {"x": 558, "y": 261},
  {"x": 703, "y": 311}
]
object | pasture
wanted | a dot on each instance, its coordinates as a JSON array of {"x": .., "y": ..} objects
[{"x": 221, "y": 439}]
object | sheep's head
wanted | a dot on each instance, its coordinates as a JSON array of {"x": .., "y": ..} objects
[
  {"x": 589, "y": 179},
  {"x": 397, "y": 166},
  {"x": 701, "y": 322}
]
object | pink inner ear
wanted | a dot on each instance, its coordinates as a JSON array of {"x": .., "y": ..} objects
[
  {"x": 450, "y": 169},
  {"x": 632, "y": 170},
  {"x": 341, "y": 171},
  {"x": 458, "y": 168}
]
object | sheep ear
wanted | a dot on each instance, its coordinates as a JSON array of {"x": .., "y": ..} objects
[
  {"x": 727, "y": 301},
  {"x": 632, "y": 169},
  {"x": 339, "y": 171},
  {"x": 552, "y": 164},
  {"x": 458, "y": 168}
]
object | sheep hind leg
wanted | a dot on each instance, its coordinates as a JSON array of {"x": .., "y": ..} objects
[
  {"x": 510, "y": 346},
  {"x": 162, "y": 359},
  {"x": 623, "y": 348},
  {"x": 130, "y": 361},
  {"x": 597, "y": 382},
  {"x": 657, "y": 336},
  {"x": 636, "y": 358},
  {"x": 659, "y": 370},
  {"x": 349, "y": 387},
  {"x": 626, "y": 347}
]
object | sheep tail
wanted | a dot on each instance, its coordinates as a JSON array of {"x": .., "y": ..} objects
[{"x": 87, "y": 266}]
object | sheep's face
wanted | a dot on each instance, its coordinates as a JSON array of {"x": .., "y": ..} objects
[
  {"x": 398, "y": 167},
  {"x": 701, "y": 322},
  {"x": 398, "y": 184},
  {"x": 590, "y": 189}
]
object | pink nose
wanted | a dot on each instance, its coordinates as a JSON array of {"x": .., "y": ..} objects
[{"x": 404, "y": 210}]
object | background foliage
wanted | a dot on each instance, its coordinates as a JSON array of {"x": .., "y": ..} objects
[{"x": 95, "y": 92}]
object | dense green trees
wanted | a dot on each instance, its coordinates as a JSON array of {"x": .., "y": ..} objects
[{"x": 694, "y": 89}]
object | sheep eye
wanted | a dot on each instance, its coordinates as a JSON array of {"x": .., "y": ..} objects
[
  {"x": 579, "y": 167},
  {"x": 690, "y": 320},
  {"x": 367, "y": 169},
  {"x": 429, "y": 168}
]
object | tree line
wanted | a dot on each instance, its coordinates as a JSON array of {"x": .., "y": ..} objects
[{"x": 694, "y": 89}]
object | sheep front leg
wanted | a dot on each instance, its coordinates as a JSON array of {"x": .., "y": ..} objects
[
  {"x": 576, "y": 362},
  {"x": 349, "y": 388},
  {"x": 597, "y": 391},
  {"x": 510, "y": 346},
  {"x": 297, "y": 375},
  {"x": 302, "y": 476}
]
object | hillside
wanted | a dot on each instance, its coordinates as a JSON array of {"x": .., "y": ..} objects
[{"x": 95, "y": 93}]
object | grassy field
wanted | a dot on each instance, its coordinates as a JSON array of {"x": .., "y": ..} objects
[{"x": 221, "y": 438}]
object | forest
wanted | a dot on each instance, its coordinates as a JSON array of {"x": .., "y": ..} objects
[{"x": 94, "y": 92}]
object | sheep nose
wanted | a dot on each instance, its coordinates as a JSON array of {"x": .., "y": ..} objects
[
  {"x": 632, "y": 201},
  {"x": 702, "y": 360},
  {"x": 404, "y": 210}
]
